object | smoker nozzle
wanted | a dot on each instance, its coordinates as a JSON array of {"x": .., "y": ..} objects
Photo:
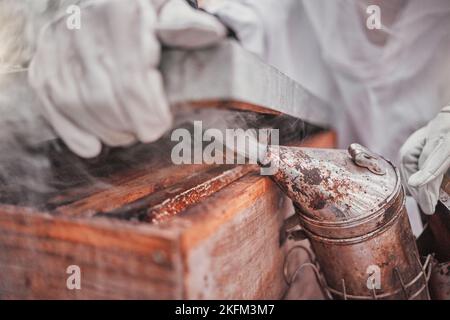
[{"x": 331, "y": 182}]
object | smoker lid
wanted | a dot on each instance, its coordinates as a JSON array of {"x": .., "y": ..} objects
[{"x": 335, "y": 185}]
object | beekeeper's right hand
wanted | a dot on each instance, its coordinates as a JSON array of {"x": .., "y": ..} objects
[
  {"x": 425, "y": 158},
  {"x": 100, "y": 84}
]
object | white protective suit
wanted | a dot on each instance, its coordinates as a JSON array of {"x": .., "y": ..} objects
[{"x": 382, "y": 85}]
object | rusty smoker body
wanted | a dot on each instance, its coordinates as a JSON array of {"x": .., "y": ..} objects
[
  {"x": 351, "y": 207},
  {"x": 349, "y": 264}
]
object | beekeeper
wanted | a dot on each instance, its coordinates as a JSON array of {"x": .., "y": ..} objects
[{"x": 382, "y": 80}]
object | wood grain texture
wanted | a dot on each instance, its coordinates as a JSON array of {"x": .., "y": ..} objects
[
  {"x": 242, "y": 258},
  {"x": 224, "y": 245},
  {"x": 173, "y": 205},
  {"x": 117, "y": 260},
  {"x": 234, "y": 251},
  {"x": 129, "y": 190}
]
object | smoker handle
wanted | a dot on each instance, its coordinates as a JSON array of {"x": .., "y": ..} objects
[{"x": 365, "y": 158}]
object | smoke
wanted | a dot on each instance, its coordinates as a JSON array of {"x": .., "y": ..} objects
[
  {"x": 30, "y": 166},
  {"x": 289, "y": 129},
  {"x": 25, "y": 166},
  {"x": 29, "y": 173}
]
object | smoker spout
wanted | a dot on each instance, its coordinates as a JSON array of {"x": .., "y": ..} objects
[{"x": 328, "y": 184}]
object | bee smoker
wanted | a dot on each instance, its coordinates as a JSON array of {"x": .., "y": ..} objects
[{"x": 351, "y": 206}]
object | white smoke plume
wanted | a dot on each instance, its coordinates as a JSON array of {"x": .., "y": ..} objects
[
  {"x": 22, "y": 167},
  {"x": 25, "y": 166}
]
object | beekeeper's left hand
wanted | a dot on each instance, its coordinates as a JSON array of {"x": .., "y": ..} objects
[
  {"x": 100, "y": 84},
  {"x": 425, "y": 158},
  {"x": 179, "y": 25}
]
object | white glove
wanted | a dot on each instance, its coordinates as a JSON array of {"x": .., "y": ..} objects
[
  {"x": 425, "y": 158},
  {"x": 179, "y": 25},
  {"x": 100, "y": 84}
]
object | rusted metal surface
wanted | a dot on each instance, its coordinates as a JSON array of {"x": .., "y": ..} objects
[
  {"x": 392, "y": 250},
  {"x": 356, "y": 221},
  {"x": 440, "y": 281},
  {"x": 328, "y": 184},
  {"x": 329, "y": 189}
]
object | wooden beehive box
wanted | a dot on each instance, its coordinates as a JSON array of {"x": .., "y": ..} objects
[
  {"x": 151, "y": 230},
  {"x": 139, "y": 226}
]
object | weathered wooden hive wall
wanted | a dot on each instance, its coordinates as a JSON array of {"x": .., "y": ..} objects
[{"x": 148, "y": 230}]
